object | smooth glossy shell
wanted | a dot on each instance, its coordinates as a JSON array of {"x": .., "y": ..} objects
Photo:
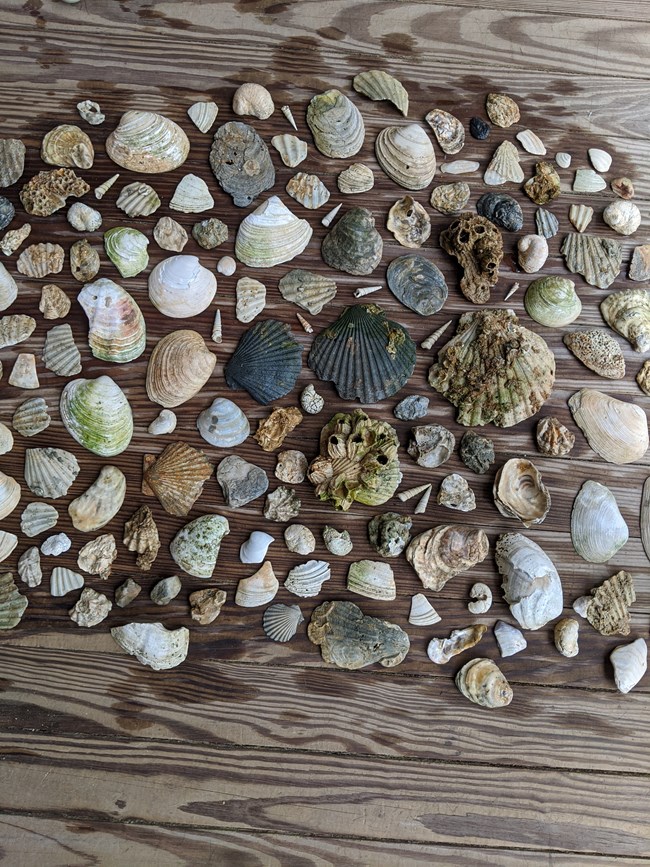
[
  {"x": 552, "y": 301},
  {"x": 223, "y": 424},
  {"x": 9, "y": 494},
  {"x": 406, "y": 154},
  {"x": 270, "y": 235},
  {"x": 598, "y": 529},
  {"x": 519, "y": 492},
  {"x": 628, "y": 313},
  {"x": 353, "y": 245},
  {"x": 616, "y": 430},
  {"x": 127, "y": 250},
  {"x": 336, "y": 124},
  {"x": 241, "y": 162},
  {"x": 97, "y": 414},
  {"x": 179, "y": 367},
  {"x": 147, "y": 142},
  {"x": 417, "y": 283},
  {"x": 266, "y": 363},
  {"x": 531, "y": 584},
  {"x": 379, "y": 85},
  {"x": 195, "y": 547},
  {"x": 116, "y": 327},
  {"x": 630, "y": 663},
  {"x": 181, "y": 287}
]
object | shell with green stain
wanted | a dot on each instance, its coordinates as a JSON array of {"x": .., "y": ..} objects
[
  {"x": 195, "y": 547},
  {"x": 147, "y": 142},
  {"x": 116, "y": 327},
  {"x": 12, "y": 603},
  {"x": 336, "y": 124},
  {"x": 270, "y": 235},
  {"x": 379, "y": 85},
  {"x": 552, "y": 301},
  {"x": 353, "y": 245},
  {"x": 127, "y": 250},
  {"x": 97, "y": 414}
]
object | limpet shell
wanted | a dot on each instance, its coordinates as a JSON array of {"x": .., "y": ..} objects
[
  {"x": 67, "y": 146},
  {"x": 271, "y": 235},
  {"x": 179, "y": 367},
  {"x": 406, "y": 155},
  {"x": 100, "y": 502},
  {"x": 519, "y": 492},
  {"x": 417, "y": 283},
  {"x": 552, "y": 301},
  {"x": 615, "y": 430},
  {"x": 116, "y": 326},
  {"x": 336, "y": 124},
  {"x": 147, "y": 142},
  {"x": 447, "y": 129},
  {"x": 180, "y": 287},
  {"x": 379, "y": 85},
  {"x": 266, "y": 362},
  {"x": 241, "y": 162},
  {"x": 598, "y": 529},
  {"x": 281, "y": 622},
  {"x": 409, "y": 222}
]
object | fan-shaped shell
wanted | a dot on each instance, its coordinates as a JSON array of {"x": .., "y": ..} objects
[
  {"x": 39, "y": 260},
  {"x": 519, "y": 492},
  {"x": 406, "y": 154},
  {"x": 147, "y": 142},
  {"x": 100, "y": 502},
  {"x": 191, "y": 196},
  {"x": 12, "y": 603},
  {"x": 177, "y": 477},
  {"x": 552, "y": 301},
  {"x": 417, "y": 283},
  {"x": 138, "y": 200},
  {"x": 308, "y": 190},
  {"x": 616, "y": 430},
  {"x": 223, "y": 424},
  {"x": 504, "y": 166},
  {"x": 628, "y": 313},
  {"x": 9, "y": 495},
  {"x": 531, "y": 584},
  {"x": 353, "y": 245},
  {"x": 292, "y": 149},
  {"x": 307, "y": 579},
  {"x": 15, "y": 328},
  {"x": 116, "y": 326},
  {"x": 63, "y": 580},
  {"x": 6, "y": 439},
  {"x": 50, "y": 472},
  {"x": 438, "y": 554},
  {"x": 8, "y": 542},
  {"x": 12, "y": 161},
  {"x": 531, "y": 142},
  {"x": 271, "y": 235},
  {"x": 422, "y": 611},
  {"x": 597, "y": 259},
  {"x": 580, "y": 216},
  {"x": 546, "y": 223},
  {"x": 203, "y": 114},
  {"x": 97, "y": 414},
  {"x": 357, "y": 178},
  {"x": 47, "y": 192},
  {"x": 23, "y": 373},
  {"x": 597, "y": 350},
  {"x": 241, "y": 162},
  {"x": 127, "y": 250},
  {"x": 251, "y": 299},
  {"x": 37, "y": 518},
  {"x": 447, "y": 129},
  {"x": 195, "y": 547},
  {"x": 60, "y": 353},
  {"x": 379, "y": 85},
  {"x": 179, "y": 367},
  {"x": 482, "y": 682},
  {"x": 266, "y": 363},
  {"x": 307, "y": 289},
  {"x": 67, "y": 146},
  {"x": 8, "y": 288},
  {"x": 281, "y": 622},
  {"x": 598, "y": 529},
  {"x": 181, "y": 287},
  {"x": 258, "y": 589},
  {"x": 336, "y": 124}
]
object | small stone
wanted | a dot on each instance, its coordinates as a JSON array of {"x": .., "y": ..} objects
[
  {"x": 623, "y": 187},
  {"x": 170, "y": 235},
  {"x": 226, "y": 266},
  {"x": 311, "y": 401},
  {"x": 14, "y": 238},
  {"x": 431, "y": 445},
  {"x": 455, "y": 493},
  {"x": 390, "y": 533},
  {"x": 640, "y": 264},
  {"x": 450, "y": 198},
  {"x": 477, "y": 452},
  {"x": 91, "y": 609},
  {"x": 479, "y": 128},
  {"x": 291, "y": 467},
  {"x": 127, "y": 592},
  {"x": 165, "y": 590},
  {"x": 206, "y": 605},
  {"x": 210, "y": 233},
  {"x": 411, "y": 408},
  {"x": 337, "y": 543},
  {"x": 299, "y": 539},
  {"x": 643, "y": 378},
  {"x": 281, "y": 505},
  {"x": 56, "y": 545},
  {"x": 553, "y": 438},
  {"x": 240, "y": 481}
]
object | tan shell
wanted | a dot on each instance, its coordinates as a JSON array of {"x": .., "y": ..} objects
[
  {"x": 14, "y": 238},
  {"x": 179, "y": 367},
  {"x": 67, "y": 146},
  {"x": 450, "y": 198},
  {"x": 177, "y": 477},
  {"x": 373, "y": 579},
  {"x": 206, "y": 605},
  {"x": 628, "y": 313},
  {"x": 565, "y": 636},
  {"x": 608, "y": 608},
  {"x": 379, "y": 85},
  {"x": 442, "y": 552},
  {"x": 170, "y": 235},
  {"x": 502, "y": 110},
  {"x": 308, "y": 190},
  {"x": 622, "y": 216},
  {"x": 251, "y": 299},
  {"x": 12, "y": 161},
  {"x": 54, "y": 303},
  {"x": 23, "y": 374},
  {"x": 254, "y": 100},
  {"x": 259, "y": 589},
  {"x": 482, "y": 682},
  {"x": 138, "y": 200},
  {"x": 357, "y": 178},
  {"x": 616, "y": 430},
  {"x": 406, "y": 154},
  {"x": 15, "y": 328},
  {"x": 83, "y": 218},
  {"x": 409, "y": 222},
  {"x": 441, "y": 650},
  {"x": 553, "y": 438},
  {"x": 447, "y": 129},
  {"x": 519, "y": 492},
  {"x": 597, "y": 350},
  {"x": 12, "y": 603},
  {"x": 580, "y": 216},
  {"x": 203, "y": 114},
  {"x": 504, "y": 166},
  {"x": 39, "y": 260},
  {"x": 141, "y": 536},
  {"x": 598, "y": 530},
  {"x": 643, "y": 377},
  {"x": 84, "y": 261},
  {"x": 97, "y": 556},
  {"x": 532, "y": 253},
  {"x": 292, "y": 149},
  {"x": 147, "y": 142},
  {"x": 272, "y": 431},
  {"x": 91, "y": 608},
  {"x": 100, "y": 502},
  {"x": 47, "y": 191}
]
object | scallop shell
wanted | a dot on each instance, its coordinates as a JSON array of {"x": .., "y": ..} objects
[
  {"x": 292, "y": 149},
  {"x": 608, "y": 608},
  {"x": 281, "y": 622},
  {"x": 63, "y": 580},
  {"x": 504, "y": 167},
  {"x": 258, "y": 589},
  {"x": 241, "y": 162},
  {"x": 481, "y": 681},
  {"x": 83, "y": 218},
  {"x": 509, "y": 638},
  {"x": 447, "y": 129},
  {"x": 628, "y": 313},
  {"x": 406, "y": 154},
  {"x": 623, "y": 217},
  {"x": 84, "y": 261},
  {"x": 598, "y": 529},
  {"x": 357, "y": 178},
  {"x": 97, "y": 414},
  {"x": 353, "y": 245},
  {"x": 23, "y": 373},
  {"x": 12, "y": 603},
  {"x": 598, "y": 351},
  {"x": 177, "y": 477},
  {"x": 39, "y": 260},
  {"x": 308, "y": 190},
  {"x": 308, "y": 290},
  {"x": 409, "y": 222},
  {"x": 191, "y": 196},
  {"x": 253, "y": 99},
  {"x": 96, "y": 557},
  {"x": 127, "y": 250},
  {"x": 138, "y": 200},
  {"x": 15, "y": 329},
  {"x": 271, "y": 235},
  {"x": 580, "y": 216},
  {"x": 502, "y": 110},
  {"x": 141, "y": 535},
  {"x": 438, "y": 554},
  {"x": 372, "y": 579},
  {"x": 597, "y": 259},
  {"x": 266, "y": 363},
  {"x": 441, "y": 650},
  {"x": 152, "y": 644},
  {"x": 116, "y": 326},
  {"x": 450, "y": 198},
  {"x": 147, "y": 142},
  {"x": 47, "y": 192},
  {"x": 531, "y": 584},
  {"x": 195, "y": 547},
  {"x": 251, "y": 299},
  {"x": 8, "y": 542},
  {"x": 417, "y": 283},
  {"x": 12, "y": 240},
  {"x": 379, "y": 85},
  {"x": 100, "y": 502},
  {"x": 60, "y": 353},
  {"x": 588, "y": 181},
  {"x": 422, "y": 611},
  {"x": 203, "y": 114},
  {"x": 546, "y": 223},
  {"x": 7, "y": 212},
  {"x": 552, "y": 301},
  {"x": 12, "y": 161},
  {"x": 478, "y": 246},
  {"x": 630, "y": 663},
  {"x": 367, "y": 356},
  {"x": 179, "y": 367},
  {"x": 67, "y": 146},
  {"x": 616, "y": 430},
  {"x": 9, "y": 495},
  {"x": 29, "y": 567},
  {"x": 336, "y": 124},
  {"x": 54, "y": 303},
  {"x": 170, "y": 235},
  {"x": 181, "y": 287},
  {"x": 531, "y": 142},
  {"x": 519, "y": 492},
  {"x": 223, "y": 424},
  {"x": 50, "y": 472},
  {"x": 254, "y": 549}
]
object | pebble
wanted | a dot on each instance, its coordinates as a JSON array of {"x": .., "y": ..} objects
[
  {"x": 479, "y": 128},
  {"x": 240, "y": 481},
  {"x": 127, "y": 592},
  {"x": 165, "y": 590},
  {"x": 56, "y": 545},
  {"x": 412, "y": 407}
]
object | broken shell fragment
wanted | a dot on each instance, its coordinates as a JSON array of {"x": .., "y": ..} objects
[
  {"x": 206, "y": 605},
  {"x": 308, "y": 190},
  {"x": 91, "y": 608},
  {"x": 273, "y": 430},
  {"x": 504, "y": 167},
  {"x": 251, "y": 299},
  {"x": 23, "y": 373},
  {"x": 253, "y": 99},
  {"x": 553, "y": 438},
  {"x": 147, "y": 142},
  {"x": 63, "y": 580},
  {"x": 546, "y": 223},
  {"x": 127, "y": 250},
  {"x": 409, "y": 222},
  {"x": 179, "y": 367},
  {"x": 597, "y": 350},
  {"x": 597, "y": 259},
  {"x": 12, "y": 161},
  {"x": 580, "y": 216},
  {"x": 281, "y": 622},
  {"x": 191, "y": 196},
  {"x": 623, "y": 187},
  {"x": 455, "y": 493},
  {"x": 389, "y": 533},
  {"x": 39, "y": 260},
  {"x": 502, "y": 110},
  {"x": 598, "y": 529},
  {"x": 180, "y": 287},
  {"x": 97, "y": 414},
  {"x": 116, "y": 326},
  {"x": 56, "y": 545},
  {"x": 308, "y": 290},
  {"x": 12, "y": 602},
  {"x": 50, "y": 472},
  {"x": 15, "y": 328},
  {"x": 281, "y": 505},
  {"x": 630, "y": 663},
  {"x": 254, "y": 549},
  {"x": 422, "y": 612},
  {"x": 54, "y": 303},
  {"x": 476, "y": 452},
  {"x": 379, "y": 85},
  {"x": 177, "y": 477},
  {"x": 271, "y": 235},
  {"x": 97, "y": 556},
  {"x": 37, "y": 518},
  {"x": 639, "y": 266},
  {"x": 623, "y": 217},
  {"x": 441, "y": 650},
  {"x": 509, "y": 638},
  {"x": 8, "y": 288},
  {"x": 241, "y": 163},
  {"x": 223, "y": 424},
  {"x": 482, "y": 682},
  {"x": 431, "y": 445},
  {"x": 100, "y": 502},
  {"x": 532, "y": 253},
  {"x": 307, "y": 579},
  {"x": 138, "y": 200},
  {"x": 519, "y": 492},
  {"x": 266, "y": 362},
  {"x": 47, "y": 192},
  {"x": 6, "y": 437},
  {"x": 166, "y": 590},
  {"x": 195, "y": 547},
  {"x": 476, "y": 244},
  {"x": 12, "y": 240},
  {"x": 588, "y": 181},
  {"x": 616, "y": 430},
  {"x": 600, "y": 159},
  {"x": 628, "y": 313},
  {"x": 552, "y": 301},
  {"x": 292, "y": 149},
  {"x": 84, "y": 261},
  {"x": 447, "y": 129},
  {"x": 531, "y": 584},
  {"x": 608, "y": 608},
  {"x": 531, "y": 142},
  {"x": 67, "y": 146},
  {"x": 450, "y": 198},
  {"x": 372, "y": 579},
  {"x": 565, "y": 636},
  {"x": 29, "y": 567},
  {"x": 406, "y": 155},
  {"x": 170, "y": 235},
  {"x": 337, "y": 542},
  {"x": 141, "y": 536},
  {"x": 438, "y": 554},
  {"x": 203, "y": 114},
  {"x": 152, "y": 644},
  {"x": 259, "y": 589},
  {"x": 336, "y": 124}
]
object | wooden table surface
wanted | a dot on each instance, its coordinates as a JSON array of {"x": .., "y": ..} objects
[{"x": 256, "y": 753}]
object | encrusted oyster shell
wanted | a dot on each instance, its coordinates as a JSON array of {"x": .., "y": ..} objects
[
  {"x": 241, "y": 162},
  {"x": 482, "y": 682},
  {"x": 597, "y": 350},
  {"x": 417, "y": 283},
  {"x": 336, "y": 124},
  {"x": 354, "y": 245},
  {"x": 442, "y": 552},
  {"x": 409, "y": 222}
]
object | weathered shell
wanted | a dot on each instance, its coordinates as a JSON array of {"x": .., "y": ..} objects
[
  {"x": 116, "y": 326},
  {"x": 598, "y": 529},
  {"x": 259, "y": 589},
  {"x": 430, "y": 445},
  {"x": 180, "y": 287},
  {"x": 308, "y": 290},
  {"x": 12, "y": 161},
  {"x": 63, "y": 580},
  {"x": 8, "y": 288},
  {"x": 7, "y": 212},
  {"x": 97, "y": 556},
  {"x": 379, "y": 85},
  {"x": 422, "y": 611},
  {"x": 546, "y": 223},
  {"x": 455, "y": 493},
  {"x": 307, "y": 579},
  {"x": 67, "y": 146},
  {"x": 177, "y": 477},
  {"x": 91, "y": 608},
  {"x": 251, "y": 299},
  {"x": 308, "y": 190},
  {"x": 206, "y": 604},
  {"x": 97, "y": 414},
  {"x": 240, "y": 481},
  {"x": 623, "y": 217},
  {"x": 271, "y": 235},
  {"x": 336, "y": 124},
  {"x": 438, "y": 554},
  {"x": 441, "y": 650},
  {"x": 127, "y": 250},
  {"x": 9, "y": 495},
  {"x": 23, "y": 373},
  {"x": 597, "y": 350},
  {"x": 203, "y": 114},
  {"x": 83, "y": 218},
  {"x": 630, "y": 663},
  {"x": 191, "y": 196},
  {"x": 588, "y": 181},
  {"x": 477, "y": 245},
  {"x": 310, "y": 401},
  {"x": 460, "y": 167},
  {"x": 12, "y": 240},
  {"x": 628, "y": 313},
  {"x": 15, "y": 328},
  {"x": 502, "y": 110},
  {"x": 292, "y": 149},
  {"x": 8, "y": 542},
  {"x": 141, "y": 535},
  {"x": 623, "y": 187},
  {"x": 552, "y": 301},
  {"x": 170, "y": 235},
  {"x": 253, "y": 99},
  {"x": 179, "y": 367},
  {"x": 266, "y": 363},
  {"x": 531, "y": 584},
  {"x": 514, "y": 378},
  {"x": 39, "y": 260},
  {"x": 365, "y": 355},
  {"x": 531, "y": 142},
  {"x": 281, "y": 505},
  {"x": 254, "y": 549},
  {"x": 291, "y": 467},
  {"x": 372, "y": 579},
  {"x": 481, "y": 597},
  {"x": 54, "y": 303},
  {"x": 84, "y": 261},
  {"x": 138, "y": 200},
  {"x": 354, "y": 245},
  {"x": 608, "y": 608},
  {"x": 563, "y": 159},
  {"x": 241, "y": 162},
  {"x": 152, "y": 644},
  {"x": 273, "y": 430},
  {"x": 565, "y": 636},
  {"x": 50, "y": 472},
  {"x": 209, "y": 234},
  {"x": 639, "y": 265},
  {"x": 100, "y": 502},
  {"x": 223, "y": 424},
  {"x": 165, "y": 590},
  {"x": 580, "y": 216},
  {"x": 281, "y": 622},
  {"x": 357, "y": 178},
  {"x": 406, "y": 154},
  {"x": 337, "y": 542},
  {"x": 417, "y": 283},
  {"x": 60, "y": 353},
  {"x": 12, "y": 603},
  {"x": 409, "y": 222},
  {"x": 519, "y": 492},
  {"x": 532, "y": 252},
  {"x": 447, "y": 129},
  {"x": 597, "y": 259},
  {"x": 476, "y": 452},
  {"x": 6, "y": 437},
  {"x": 544, "y": 186},
  {"x": 504, "y": 167},
  {"x": 509, "y": 638},
  {"x": 147, "y": 142},
  {"x": 29, "y": 567},
  {"x": 553, "y": 438},
  {"x": 643, "y": 377},
  {"x": 195, "y": 547},
  {"x": 616, "y": 430},
  {"x": 450, "y": 198},
  {"x": 56, "y": 545},
  {"x": 482, "y": 682},
  {"x": 299, "y": 539},
  {"x": 502, "y": 210},
  {"x": 47, "y": 192},
  {"x": 389, "y": 533}
]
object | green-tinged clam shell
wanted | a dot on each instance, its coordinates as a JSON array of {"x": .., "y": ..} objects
[
  {"x": 336, "y": 124},
  {"x": 147, "y": 142},
  {"x": 195, "y": 547},
  {"x": 552, "y": 301},
  {"x": 116, "y": 327},
  {"x": 270, "y": 235},
  {"x": 417, "y": 283},
  {"x": 379, "y": 85},
  {"x": 97, "y": 414},
  {"x": 353, "y": 245},
  {"x": 12, "y": 603},
  {"x": 127, "y": 250}
]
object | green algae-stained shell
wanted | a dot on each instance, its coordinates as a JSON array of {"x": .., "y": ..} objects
[
  {"x": 127, "y": 250},
  {"x": 336, "y": 124},
  {"x": 353, "y": 245},
  {"x": 552, "y": 301},
  {"x": 195, "y": 547},
  {"x": 97, "y": 414}
]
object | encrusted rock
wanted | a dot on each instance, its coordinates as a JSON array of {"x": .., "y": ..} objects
[
  {"x": 450, "y": 198},
  {"x": 477, "y": 245},
  {"x": 127, "y": 592},
  {"x": 476, "y": 452},
  {"x": 411, "y": 408},
  {"x": 210, "y": 233},
  {"x": 272, "y": 431},
  {"x": 545, "y": 185},
  {"x": 206, "y": 605}
]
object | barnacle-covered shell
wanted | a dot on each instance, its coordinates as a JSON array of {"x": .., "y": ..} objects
[
  {"x": 179, "y": 367},
  {"x": 127, "y": 250},
  {"x": 308, "y": 190},
  {"x": 336, "y": 124},
  {"x": 12, "y": 603},
  {"x": 177, "y": 477},
  {"x": 519, "y": 492},
  {"x": 253, "y": 99},
  {"x": 170, "y": 235},
  {"x": 482, "y": 682},
  {"x": 477, "y": 245},
  {"x": 195, "y": 547},
  {"x": 616, "y": 430},
  {"x": 241, "y": 162},
  {"x": 54, "y": 303},
  {"x": 12, "y": 161},
  {"x": 266, "y": 363},
  {"x": 147, "y": 142},
  {"x": 39, "y": 260},
  {"x": 307, "y": 579},
  {"x": 354, "y": 245},
  {"x": 502, "y": 210},
  {"x": 49, "y": 472},
  {"x": 630, "y": 663},
  {"x": 116, "y": 327},
  {"x": 447, "y": 129},
  {"x": 67, "y": 146},
  {"x": 292, "y": 149},
  {"x": 259, "y": 589},
  {"x": 552, "y": 301},
  {"x": 531, "y": 584},
  {"x": 406, "y": 154},
  {"x": 608, "y": 608},
  {"x": 504, "y": 167},
  {"x": 223, "y": 424},
  {"x": 100, "y": 502},
  {"x": 502, "y": 110},
  {"x": 598, "y": 529},
  {"x": 442, "y": 552},
  {"x": 389, "y": 533},
  {"x": 357, "y": 178},
  {"x": 544, "y": 186},
  {"x": 47, "y": 192},
  {"x": 191, "y": 196},
  {"x": 417, "y": 283},
  {"x": 476, "y": 452},
  {"x": 203, "y": 114},
  {"x": 628, "y": 313},
  {"x": 379, "y": 85},
  {"x": 546, "y": 223},
  {"x": 441, "y": 650},
  {"x": 373, "y": 579},
  {"x": 450, "y": 198},
  {"x": 84, "y": 261},
  {"x": 307, "y": 289},
  {"x": 597, "y": 350},
  {"x": 97, "y": 414},
  {"x": 60, "y": 353},
  {"x": 180, "y": 287},
  {"x": 97, "y": 556},
  {"x": 8, "y": 288},
  {"x": 553, "y": 438},
  {"x": 152, "y": 644},
  {"x": 141, "y": 536},
  {"x": 281, "y": 622},
  {"x": 409, "y": 222},
  {"x": 597, "y": 259},
  {"x": 15, "y": 328},
  {"x": 270, "y": 235}
]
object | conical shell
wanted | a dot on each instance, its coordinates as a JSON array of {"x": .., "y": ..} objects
[
  {"x": 597, "y": 259},
  {"x": 63, "y": 580},
  {"x": 628, "y": 313},
  {"x": 417, "y": 283},
  {"x": 195, "y": 547},
  {"x": 39, "y": 260},
  {"x": 60, "y": 353},
  {"x": 191, "y": 196},
  {"x": 482, "y": 682},
  {"x": 147, "y": 142},
  {"x": 67, "y": 146},
  {"x": 104, "y": 187},
  {"x": 179, "y": 367},
  {"x": 97, "y": 556},
  {"x": 406, "y": 154},
  {"x": 447, "y": 129},
  {"x": 251, "y": 299},
  {"x": 203, "y": 114},
  {"x": 546, "y": 223},
  {"x": 307, "y": 289},
  {"x": 100, "y": 502},
  {"x": 31, "y": 417},
  {"x": 504, "y": 167},
  {"x": 531, "y": 584},
  {"x": 357, "y": 178},
  {"x": 438, "y": 554},
  {"x": 15, "y": 328},
  {"x": 50, "y": 472},
  {"x": 54, "y": 303},
  {"x": 116, "y": 327},
  {"x": 308, "y": 190},
  {"x": 552, "y": 301},
  {"x": 336, "y": 124},
  {"x": 519, "y": 492},
  {"x": 259, "y": 589},
  {"x": 270, "y": 235},
  {"x": 354, "y": 245},
  {"x": 141, "y": 536},
  {"x": 422, "y": 611},
  {"x": 127, "y": 250},
  {"x": 580, "y": 216},
  {"x": 608, "y": 608},
  {"x": 170, "y": 235},
  {"x": 9, "y": 495},
  {"x": 223, "y": 424},
  {"x": 266, "y": 363},
  {"x": 97, "y": 414},
  {"x": 29, "y": 567},
  {"x": 241, "y": 162},
  {"x": 409, "y": 222},
  {"x": 177, "y": 477},
  {"x": 477, "y": 245},
  {"x": 292, "y": 149},
  {"x": 597, "y": 350},
  {"x": 37, "y": 518},
  {"x": 8, "y": 288},
  {"x": 47, "y": 192},
  {"x": 531, "y": 142},
  {"x": 379, "y": 85},
  {"x": 281, "y": 622},
  {"x": 12, "y": 603},
  {"x": 138, "y": 200},
  {"x": 307, "y": 579},
  {"x": 367, "y": 356},
  {"x": 153, "y": 644},
  {"x": 181, "y": 287},
  {"x": 373, "y": 579},
  {"x": 630, "y": 663},
  {"x": 616, "y": 430},
  {"x": 598, "y": 529},
  {"x": 12, "y": 161},
  {"x": 502, "y": 110}
]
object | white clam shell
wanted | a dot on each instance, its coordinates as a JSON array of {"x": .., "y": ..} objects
[
  {"x": 271, "y": 235},
  {"x": 563, "y": 159},
  {"x": 180, "y": 286},
  {"x": 307, "y": 579},
  {"x": 406, "y": 155},
  {"x": 281, "y": 622},
  {"x": 191, "y": 196},
  {"x": 292, "y": 149},
  {"x": 531, "y": 142},
  {"x": 531, "y": 584},
  {"x": 372, "y": 579},
  {"x": 630, "y": 663},
  {"x": 152, "y": 644},
  {"x": 422, "y": 611},
  {"x": 164, "y": 423},
  {"x": 598, "y": 530},
  {"x": 481, "y": 597},
  {"x": 7, "y": 438},
  {"x": 258, "y": 589},
  {"x": 223, "y": 424},
  {"x": 509, "y": 638},
  {"x": 254, "y": 549},
  {"x": 8, "y": 542}
]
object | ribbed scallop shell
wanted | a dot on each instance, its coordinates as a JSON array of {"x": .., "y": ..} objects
[
  {"x": 406, "y": 154},
  {"x": 147, "y": 142},
  {"x": 12, "y": 603},
  {"x": 597, "y": 350},
  {"x": 223, "y": 424},
  {"x": 12, "y": 161},
  {"x": 241, "y": 162},
  {"x": 8, "y": 288},
  {"x": 29, "y": 567},
  {"x": 100, "y": 502},
  {"x": 519, "y": 492},
  {"x": 531, "y": 585},
  {"x": 203, "y": 114},
  {"x": 251, "y": 299},
  {"x": 354, "y": 245},
  {"x": 127, "y": 250},
  {"x": 597, "y": 259},
  {"x": 141, "y": 536},
  {"x": 195, "y": 547},
  {"x": 307, "y": 579},
  {"x": 307, "y": 289},
  {"x": 552, "y": 301},
  {"x": 64, "y": 580},
  {"x": 258, "y": 589},
  {"x": 628, "y": 313},
  {"x": 598, "y": 529},
  {"x": 504, "y": 166},
  {"x": 191, "y": 196},
  {"x": 181, "y": 287},
  {"x": 37, "y": 518},
  {"x": 447, "y": 129},
  {"x": 482, "y": 682},
  {"x": 177, "y": 477},
  {"x": 417, "y": 283},
  {"x": 266, "y": 363},
  {"x": 39, "y": 260},
  {"x": 15, "y": 328},
  {"x": 60, "y": 353},
  {"x": 138, "y": 200},
  {"x": 179, "y": 367},
  {"x": 336, "y": 124},
  {"x": 281, "y": 622},
  {"x": 50, "y": 472},
  {"x": 546, "y": 223},
  {"x": 67, "y": 146},
  {"x": 379, "y": 85},
  {"x": 367, "y": 356},
  {"x": 270, "y": 235},
  {"x": 292, "y": 149},
  {"x": 9, "y": 495},
  {"x": 116, "y": 327},
  {"x": 31, "y": 417},
  {"x": 308, "y": 190},
  {"x": 97, "y": 414},
  {"x": 422, "y": 611},
  {"x": 357, "y": 178},
  {"x": 580, "y": 216},
  {"x": 616, "y": 430}
]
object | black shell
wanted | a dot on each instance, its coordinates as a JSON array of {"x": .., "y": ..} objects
[
  {"x": 353, "y": 245},
  {"x": 502, "y": 210},
  {"x": 267, "y": 361},
  {"x": 241, "y": 162},
  {"x": 479, "y": 128},
  {"x": 417, "y": 283}
]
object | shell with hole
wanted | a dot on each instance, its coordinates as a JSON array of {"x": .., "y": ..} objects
[
  {"x": 271, "y": 235},
  {"x": 336, "y": 124},
  {"x": 476, "y": 243},
  {"x": 116, "y": 326},
  {"x": 180, "y": 287},
  {"x": 97, "y": 414},
  {"x": 628, "y": 313},
  {"x": 47, "y": 192},
  {"x": 147, "y": 142},
  {"x": 179, "y": 367},
  {"x": 241, "y": 162},
  {"x": 406, "y": 155}
]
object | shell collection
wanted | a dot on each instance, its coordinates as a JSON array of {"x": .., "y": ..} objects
[{"x": 494, "y": 369}]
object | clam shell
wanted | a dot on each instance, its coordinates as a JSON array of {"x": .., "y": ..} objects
[
  {"x": 588, "y": 181},
  {"x": 598, "y": 351},
  {"x": 39, "y": 260},
  {"x": 372, "y": 579},
  {"x": 6, "y": 439},
  {"x": 147, "y": 142},
  {"x": 553, "y": 438},
  {"x": 50, "y": 472},
  {"x": 266, "y": 363},
  {"x": 531, "y": 584},
  {"x": 191, "y": 196},
  {"x": 608, "y": 608},
  {"x": 241, "y": 162},
  {"x": 223, "y": 424},
  {"x": 84, "y": 261},
  {"x": 357, "y": 178},
  {"x": 598, "y": 529},
  {"x": 292, "y": 149},
  {"x": 628, "y": 313},
  {"x": 12, "y": 603},
  {"x": 565, "y": 636},
  {"x": 482, "y": 682},
  {"x": 597, "y": 259},
  {"x": 203, "y": 114},
  {"x": 450, "y": 198},
  {"x": 127, "y": 250},
  {"x": 379, "y": 85},
  {"x": 502, "y": 110},
  {"x": 47, "y": 192},
  {"x": 138, "y": 200},
  {"x": 531, "y": 142},
  {"x": 181, "y": 287},
  {"x": 417, "y": 283},
  {"x": 447, "y": 129},
  {"x": 179, "y": 367},
  {"x": 502, "y": 210},
  {"x": 308, "y": 190},
  {"x": 67, "y": 146},
  {"x": 9, "y": 495},
  {"x": 409, "y": 222},
  {"x": 630, "y": 663},
  {"x": 253, "y": 99},
  {"x": 116, "y": 326},
  {"x": 623, "y": 217},
  {"x": 546, "y": 223},
  {"x": 477, "y": 245},
  {"x": 97, "y": 556},
  {"x": 616, "y": 430},
  {"x": 519, "y": 492},
  {"x": 308, "y": 290},
  {"x": 251, "y": 299},
  {"x": 97, "y": 414},
  {"x": 281, "y": 622},
  {"x": 8, "y": 288},
  {"x": 83, "y": 218},
  {"x": 195, "y": 547},
  {"x": 422, "y": 611},
  {"x": 441, "y": 650},
  {"x": 442, "y": 552},
  {"x": 261, "y": 587},
  {"x": 354, "y": 245},
  {"x": 60, "y": 353},
  {"x": 177, "y": 477},
  {"x": 63, "y": 580},
  {"x": 54, "y": 303},
  {"x": 552, "y": 301},
  {"x": 12, "y": 240},
  {"x": 336, "y": 124},
  {"x": 509, "y": 638},
  {"x": 504, "y": 166},
  {"x": 23, "y": 374},
  {"x": 100, "y": 502},
  {"x": 12, "y": 161},
  {"x": 580, "y": 216},
  {"x": 254, "y": 549},
  {"x": 271, "y": 235},
  {"x": 406, "y": 155},
  {"x": 152, "y": 644},
  {"x": 29, "y": 567},
  {"x": 170, "y": 235}
]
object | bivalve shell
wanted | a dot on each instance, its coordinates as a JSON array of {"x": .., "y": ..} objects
[
  {"x": 422, "y": 611},
  {"x": 12, "y": 603},
  {"x": 50, "y": 472},
  {"x": 441, "y": 650},
  {"x": 254, "y": 549},
  {"x": 6, "y": 438},
  {"x": 97, "y": 414},
  {"x": 141, "y": 536},
  {"x": 179, "y": 367},
  {"x": 616, "y": 430},
  {"x": 83, "y": 218},
  {"x": 191, "y": 196},
  {"x": 504, "y": 166},
  {"x": 336, "y": 124},
  {"x": 8, "y": 288},
  {"x": 546, "y": 223},
  {"x": 100, "y": 502},
  {"x": 450, "y": 198},
  {"x": 266, "y": 363},
  {"x": 552, "y": 301},
  {"x": 54, "y": 303},
  {"x": 502, "y": 110},
  {"x": 177, "y": 477},
  {"x": 281, "y": 622},
  {"x": 628, "y": 313},
  {"x": 623, "y": 217},
  {"x": 84, "y": 261},
  {"x": 97, "y": 556},
  {"x": 138, "y": 200},
  {"x": 406, "y": 154},
  {"x": 597, "y": 259},
  {"x": 147, "y": 142},
  {"x": 357, "y": 178},
  {"x": 418, "y": 284},
  {"x": 409, "y": 222},
  {"x": 12, "y": 161},
  {"x": 259, "y": 589},
  {"x": 502, "y": 210},
  {"x": 116, "y": 326},
  {"x": 271, "y": 235},
  {"x": 223, "y": 424},
  {"x": 588, "y": 181},
  {"x": 60, "y": 353},
  {"x": 372, "y": 579},
  {"x": 531, "y": 584},
  {"x": 630, "y": 663},
  {"x": 379, "y": 85},
  {"x": 241, "y": 162},
  {"x": 442, "y": 552},
  {"x": 597, "y": 350},
  {"x": 203, "y": 114},
  {"x": 308, "y": 290},
  {"x": 127, "y": 250},
  {"x": 598, "y": 529},
  {"x": 608, "y": 607},
  {"x": 170, "y": 235},
  {"x": 600, "y": 159},
  {"x": 9, "y": 495},
  {"x": 307, "y": 579},
  {"x": 63, "y": 580},
  {"x": 180, "y": 287},
  {"x": 67, "y": 146},
  {"x": 354, "y": 245},
  {"x": 519, "y": 492},
  {"x": 195, "y": 547},
  {"x": 152, "y": 644},
  {"x": 531, "y": 142},
  {"x": 308, "y": 190},
  {"x": 251, "y": 299},
  {"x": 29, "y": 567},
  {"x": 39, "y": 260},
  {"x": 292, "y": 149},
  {"x": 447, "y": 129},
  {"x": 580, "y": 216},
  {"x": 482, "y": 682}
]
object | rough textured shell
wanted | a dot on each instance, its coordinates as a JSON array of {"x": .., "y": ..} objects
[
  {"x": 60, "y": 353},
  {"x": 50, "y": 472},
  {"x": 270, "y": 235},
  {"x": 15, "y": 328},
  {"x": 97, "y": 414},
  {"x": 179, "y": 367},
  {"x": 544, "y": 186},
  {"x": 553, "y": 438},
  {"x": 441, "y": 650},
  {"x": 482, "y": 682},
  {"x": 477, "y": 245},
  {"x": 47, "y": 192},
  {"x": 409, "y": 222},
  {"x": 336, "y": 124},
  {"x": 531, "y": 584},
  {"x": 406, "y": 154},
  {"x": 253, "y": 99},
  {"x": 29, "y": 567},
  {"x": 442, "y": 552},
  {"x": 141, "y": 535},
  {"x": 147, "y": 142},
  {"x": 308, "y": 190},
  {"x": 447, "y": 129},
  {"x": 83, "y": 218},
  {"x": 7, "y": 438},
  {"x": 84, "y": 261},
  {"x": 337, "y": 542},
  {"x": 12, "y": 603},
  {"x": 519, "y": 492},
  {"x": 223, "y": 424},
  {"x": 127, "y": 250},
  {"x": 170, "y": 235},
  {"x": 307, "y": 289},
  {"x": 100, "y": 502},
  {"x": 597, "y": 350},
  {"x": 450, "y": 198},
  {"x": 353, "y": 245},
  {"x": 417, "y": 283},
  {"x": 546, "y": 223},
  {"x": 241, "y": 162},
  {"x": 281, "y": 622},
  {"x": 97, "y": 556},
  {"x": 266, "y": 363},
  {"x": 191, "y": 196},
  {"x": 39, "y": 260},
  {"x": 502, "y": 210},
  {"x": 67, "y": 146},
  {"x": 552, "y": 301},
  {"x": 240, "y": 481},
  {"x": 608, "y": 609},
  {"x": 307, "y": 579},
  {"x": 91, "y": 608},
  {"x": 152, "y": 644},
  {"x": 597, "y": 259},
  {"x": 379, "y": 85},
  {"x": 195, "y": 547},
  {"x": 502, "y": 110},
  {"x": 12, "y": 240},
  {"x": 258, "y": 589},
  {"x": 12, "y": 161},
  {"x": 630, "y": 663},
  {"x": 292, "y": 149},
  {"x": 616, "y": 430},
  {"x": 628, "y": 313},
  {"x": 181, "y": 287},
  {"x": 299, "y": 539},
  {"x": 598, "y": 529},
  {"x": 373, "y": 579},
  {"x": 177, "y": 477},
  {"x": 357, "y": 178},
  {"x": 54, "y": 303},
  {"x": 251, "y": 299},
  {"x": 623, "y": 217},
  {"x": 203, "y": 114},
  {"x": 23, "y": 373},
  {"x": 138, "y": 200},
  {"x": 504, "y": 166},
  {"x": 116, "y": 327}
]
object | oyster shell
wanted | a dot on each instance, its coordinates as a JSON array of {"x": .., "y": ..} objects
[
  {"x": 50, "y": 472},
  {"x": 379, "y": 85},
  {"x": 502, "y": 110},
  {"x": 56, "y": 545},
  {"x": 337, "y": 542},
  {"x": 455, "y": 493},
  {"x": 259, "y": 589},
  {"x": 598, "y": 351},
  {"x": 241, "y": 163},
  {"x": 307, "y": 579},
  {"x": 29, "y": 567},
  {"x": 271, "y": 235},
  {"x": 616, "y": 430},
  {"x": 406, "y": 155},
  {"x": 251, "y": 299},
  {"x": 308, "y": 190},
  {"x": 372, "y": 579},
  {"x": 580, "y": 216},
  {"x": 39, "y": 260},
  {"x": 180, "y": 287},
  {"x": 12, "y": 161},
  {"x": 608, "y": 608},
  {"x": 203, "y": 114},
  {"x": 83, "y": 218},
  {"x": 127, "y": 250},
  {"x": 116, "y": 326},
  {"x": 97, "y": 556},
  {"x": 148, "y": 143},
  {"x": 477, "y": 245},
  {"x": 441, "y": 650},
  {"x": 502, "y": 210},
  {"x": 206, "y": 605},
  {"x": 504, "y": 167},
  {"x": 177, "y": 477},
  {"x": 598, "y": 529},
  {"x": 422, "y": 612},
  {"x": 281, "y": 622},
  {"x": 84, "y": 261},
  {"x": 179, "y": 367},
  {"x": 299, "y": 539},
  {"x": 623, "y": 217},
  {"x": 170, "y": 235},
  {"x": 565, "y": 636},
  {"x": 336, "y": 124},
  {"x": 354, "y": 245},
  {"x": 308, "y": 290},
  {"x": 357, "y": 178},
  {"x": 442, "y": 552},
  {"x": 292, "y": 149},
  {"x": 266, "y": 362},
  {"x": 628, "y": 313},
  {"x": 138, "y": 200},
  {"x": 253, "y": 99},
  {"x": 152, "y": 644},
  {"x": 54, "y": 303},
  {"x": 97, "y": 414},
  {"x": 223, "y": 424},
  {"x": 588, "y": 181},
  {"x": 552, "y": 301},
  {"x": 482, "y": 682},
  {"x": 281, "y": 505},
  {"x": 23, "y": 373},
  {"x": 254, "y": 549},
  {"x": 450, "y": 198},
  {"x": 431, "y": 445},
  {"x": 12, "y": 240},
  {"x": 643, "y": 377},
  {"x": 417, "y": 283},
  {"x": 532, "y": 253},
  {"x": 12, "y": 602},
  {"x": 447, "y": 129},
  {"x": 195, "y": 547},
  {"x": 100, "y": 502},
  {"x": 519, "y": 492},
  {"x": 191, "y": 196},
  {"x": 273, "y": 430},
  {"x": 630, "y": 663},
  {"x": 389, "y": 533},
  {"x": 544, "y": 186},
  {"x": 63, "y": 580},
  {"x": 476, "y": 452},
  {"x": 546, "y": 223},
  {"x": 15, "y": 328},
  {"x": 409, "y": 222},
  {"x": 141, "y": 536},
  {"x": 47, "y": 192},
  {"x": 531, "y": 584},
  {"x": 91, "y": 608},
  {"x": 67, "y": 146},
  {"x": 553, "y": 438}
]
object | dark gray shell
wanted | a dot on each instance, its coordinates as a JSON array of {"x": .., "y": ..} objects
[
  {"x": 479, "y": 128},
  {"x": 417, "y": 283},
  {"x": 502, "y": 210},
  {"x": 266, "y": 363},
  {"x": 7, "y": 212},
  {"x": 353, "y": 245},
  {"x": 306, "y": 289},
  {"x": 241, "y": 162},
  {"x": 365, "y": 355}
]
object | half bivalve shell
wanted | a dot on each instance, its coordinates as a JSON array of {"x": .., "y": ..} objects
[
  {"x": 447, "y": 129},
  {"x": 628, "y": 313},
  {"x": 336, "y": 124},
  {"x": 519, "y": 492},
  {"x": 406, "y": 154},
  {"x": 552, "y": 301},
  {"x": 179, "y": 367},
  {"x": 307, "y": 579},
  {"x": 100, "y": 502},
  {"x": 308, "y": 190},
  {"x": 597, "y": 259},
  {"x": 379, "y": 85},
  {"x": 292, "y": 149},
  {"x": 181, "y": 287},
  {"x": 271, "y": 235},
  {"x": 281, "y": 622},
  {"x": 116, "y": 326},
  {"x": 598, "y": 529},
  {"x": 531, "y": 585},
  {"x": 138, "y": 200},
  {"x": 241, "y": 162},
  {"x": 31, "y": 417},
  {"x": 223, "y": 424},
  {"x": 60, "y": 353},
  {"x": 191, "y": 196},
  {"x": 266, "y": 363},
  {"x": 597, "y": 350},
  {"x": 307, "y": 289},
  {"x": 97, "y": 414},
  {"x": 50, "y": 472},
  {"x": 482, "y": 682},
  {"x": 259, "y": 589},
  {"x": 147, "y": 142},
  {"x": 616, "y": 430},
  {"x": 67, "y": 146}
]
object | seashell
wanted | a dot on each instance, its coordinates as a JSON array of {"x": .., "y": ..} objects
[
  {"x": 598, "y": 351},
  {"x": 520, "y": 363},
  {"x": 504, "y": 166},
  {"x": 91, "y": 608},
  {"x": 406, "y": 155},
  {"x": 138, "y": 200},
  {"x": 509, "y": 639},
  {"x": 482, "y": 682},
  {"x": 152, "y": 644},
  {"x": 54, "y": 303},
  {"x": 353, "y": 245},
  {"x": 357, "y": 178},
  {"x": 502, "y": 210},
  {"x": 12, "y": 161},
  {"x": 308, "y": 290},
  {"x": 39, "y": 260},
  {"x": 181, "y": 287},
  {"x": 580, "y": 216},
  {"x": 195, "y": 547},
  {"x": 67, "y": 146},
  {"x": 630, "y": 663},
  {"x": 292, "y": 149},
  {"x": 615, "y": 430},
  {"x": 330, "y": 216},
  {"x": 15, "y": 329},
  {"x": 628, "y": 313},
  {"x": 223, "y": 424},
  {"x": 271, "y": 235},
  {"x": 12, "y": 602},
  {"x": 565, "y": 636},
  {"x": 241, "y": 163},
  {"x": 409, "y": 222},
  {"x": 477, "y": 245},
  {"x": 127, "y": 250},
  {"x": 286, "y": 111},
  {"x": 640, "y": 264},
  {"x": 29, "y": 567},
  {"x": 179, "y": 367},
  {"x": 623, "y": 217},
  {"x": 450, "y": 198},
  {"x": 389, "y": 533},
  {"x": 447, "y": 129},
  {"x": 643, "y": 377},
  {"x": 8, "y": 542},
  {"x": 379, "y": 86},
  {"x": 91, "y": 112},
  {"x": 337, "y": 542},
  {"x": 553, "y": 438},
  {"x": 83, "y": 218},
  {"x": 147, "y": 142},
  {"x": 299, "y": 539},
  {"x": 608, "y": 608},
  {"x": 531, "y": 142},
  {"x": 50, "y": 472},
  {"x": 6, "y": 437},
  {"x": 519, "y": 492},
  {"x": 431, "y": 445},
  {"x": 588, "y": 181},
  {"x": 13, "y": 239},
  {"x": 251, "y": 299},
  {"x": 544, "y": 186},
  {"x": 272, "y": 431},
  {"x": 351, "y": 640},
  {"x": 210, "y": 233},
  {"x": 358, "y": 461},
  {"x": 259, "y": 589},
  {"x": 563, "y": 159},
  {"x": 365, "y": 355},
  {"x": 442, "y": 552},
  {"x": 191, "y": 196},
  {"x": 37, "y": 518},
  {"x": 116, "y": 327},
  {"x": 56, "y": 545},
  {"x": 411, "y": 408},
  {"x": 422, "y": 611},
  {"x": 598, "y": 529},
  {"x": 372, "y": 579},
  {"x": 482, "y": 598},
  {"x": 226, "y": 266},
  {"x": 141, "y": 536},
  {"x": 291, "y": 467},
  {"x": 600, "y": 159},
  {"x": 552, "y": 301},
  {"x": 441, "y": 650},
  {"x": 307, "y": 579},
  {"x": 336, "y": 124},
  {"x": 310, "y": 401},
  {"x": 240, "y": 481},
  {"x": 308, "y": 190},
  {"x": 266, "y": 363},
  {"x": 47, "y": 192},
  {"x": 253, "y": 99},
  {"x": 476, "y": 452},
  {"x": 282, "y": 505},
  {"x": 479, "y": 128},
  {"x": 546, "y": 223},
  {"x": 100, "y": 502},
  {"x": 417, "y": 283},
  {"x": 97, "y": 556},
  {"x": 623, "y": 187},
  {"x": 9, "y": 495},
  {"x": 177, "y": 477},
  {"x": 531, "y": 584},
  {"x": 422, "y": 504},
  {"x": 165, "y": 590},
  {"x": 203, "y": 114},
  {"x": 502, "y": 110},
  {"x": 102, "y": 189},
  {"x": 7, "y": 212},
  {"x": 281, "y": 622},
  {"x": 455, "y": 493},
  {"x": 254, "y": 549},
  {"x": 84, "y": 261},
  {"x": 597, "y": 259},
  {"x": 170, "y": 235},
  {"x": 63, "y": 580},
  {"x": 206, "y": 605},
  {"x": 23, "y": 373},
  {"x": 97, "y": 414},
  {"x": 8, "y": 288}
]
